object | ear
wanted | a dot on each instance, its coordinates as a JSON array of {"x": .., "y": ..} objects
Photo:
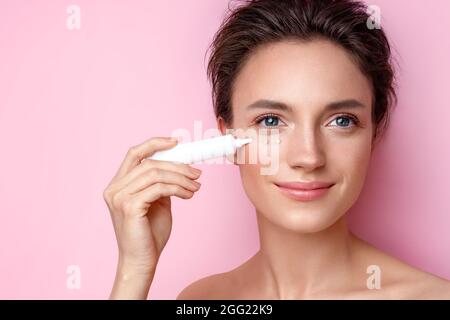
[{"x": 221, "y": 125}]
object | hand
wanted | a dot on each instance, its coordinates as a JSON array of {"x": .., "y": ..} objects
[{"x": 138, "y": 198}]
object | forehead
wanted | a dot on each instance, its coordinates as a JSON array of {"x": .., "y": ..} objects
[{"x": 309, "y": 73}]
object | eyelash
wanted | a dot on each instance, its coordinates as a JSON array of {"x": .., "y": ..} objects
[{"x": 355, "y": 120}]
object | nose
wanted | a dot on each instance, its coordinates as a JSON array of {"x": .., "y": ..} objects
[{"x": 304, "y": 149}]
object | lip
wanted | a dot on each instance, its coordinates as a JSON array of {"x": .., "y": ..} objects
[{"x": 304, "y": 191}]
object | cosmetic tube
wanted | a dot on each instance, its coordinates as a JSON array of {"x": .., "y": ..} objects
[{"x": 198, "y": 151}]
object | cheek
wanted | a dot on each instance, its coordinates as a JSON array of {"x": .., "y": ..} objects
[
  {"x": 250, "y": 176},
  {"x": 351, "y": 162},
  {"x": 255, "y": 185}
]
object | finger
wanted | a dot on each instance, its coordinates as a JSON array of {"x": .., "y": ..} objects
[
  {"x": 156, "y": 175},
  {"x": 141, "y": 201},
  {"x": 137, "y": 153},
  {"x": 148, "y": 164}
]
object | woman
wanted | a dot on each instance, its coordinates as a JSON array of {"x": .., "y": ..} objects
[{"x": 315, "y": 71}]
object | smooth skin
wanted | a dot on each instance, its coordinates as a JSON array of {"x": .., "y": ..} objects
[{"x": 306, "y": 250}]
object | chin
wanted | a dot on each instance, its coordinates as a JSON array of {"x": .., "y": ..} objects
[{"x": 302, "y": 220}]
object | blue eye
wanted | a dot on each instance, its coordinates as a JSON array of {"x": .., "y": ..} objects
[
  {"x": 343, "y": 121},
  {"x": 269, "y": 120},
  {"x": 272, "y": 120}
]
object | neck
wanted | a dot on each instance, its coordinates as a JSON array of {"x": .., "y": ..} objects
[{"x": 298, "y": 264}]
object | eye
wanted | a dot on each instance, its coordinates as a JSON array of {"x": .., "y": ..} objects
[
  {"x": 269, "y": 120},
  {"x": 343, "y": 121}
]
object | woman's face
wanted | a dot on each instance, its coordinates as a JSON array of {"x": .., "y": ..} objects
[{"x": 316, "y": 142}]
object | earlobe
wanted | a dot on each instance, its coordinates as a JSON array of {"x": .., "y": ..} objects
[{"x": 222, "y": 127}]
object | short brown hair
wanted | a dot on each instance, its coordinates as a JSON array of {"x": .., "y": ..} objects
[{"x": 258, "y": 22}]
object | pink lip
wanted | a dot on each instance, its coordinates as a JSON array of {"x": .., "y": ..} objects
[{"x": 304, "y": 191}]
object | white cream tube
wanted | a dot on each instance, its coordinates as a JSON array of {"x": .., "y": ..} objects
[{"x": 197, "y": 151}]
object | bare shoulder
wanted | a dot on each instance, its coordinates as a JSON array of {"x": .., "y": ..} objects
[
  {"x": 418, "y": 284},
  {"x": 400, "y": 280},
  {"x": 240, "y": 283},
  {"x": 211, "y": 287}
]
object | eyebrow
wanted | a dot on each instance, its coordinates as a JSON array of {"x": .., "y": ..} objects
[{"x": 277, "y": 105}]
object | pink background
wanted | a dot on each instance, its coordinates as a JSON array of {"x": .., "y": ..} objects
[{"x": 73, "y": 102}]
